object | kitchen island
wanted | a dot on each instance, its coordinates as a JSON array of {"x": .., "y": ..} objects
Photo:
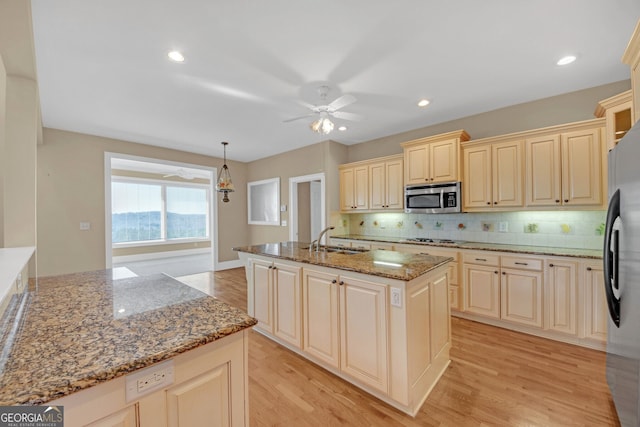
[
  {"x": 82, "y": 341},
  {"x": 378, "y": 319}
]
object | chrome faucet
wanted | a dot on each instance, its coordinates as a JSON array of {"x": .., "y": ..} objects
[{"x": 322, "y": 233}]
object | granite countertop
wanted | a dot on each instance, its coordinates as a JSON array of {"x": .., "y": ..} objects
[
  {"x": 389, "y": 264},
  {"x": 79, "y": 330},
  {"x": 521, "y": 249}
]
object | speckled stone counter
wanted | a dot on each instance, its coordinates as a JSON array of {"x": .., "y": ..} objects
[
  {"x": 389, "y": 264},
  {"x": 82, "y": 329},
  {"x": 521, "y": 249}
]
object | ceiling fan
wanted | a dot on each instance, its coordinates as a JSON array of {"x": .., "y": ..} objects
[
  {"x": 326, "y": 110},
  {"x": 180, "y": 173}
]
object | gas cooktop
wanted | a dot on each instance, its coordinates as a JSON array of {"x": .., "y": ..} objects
[{"x": 430, "y": 240}]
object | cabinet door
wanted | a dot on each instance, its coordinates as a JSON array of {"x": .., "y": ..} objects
[
  {"x": 521, "y": 297},
  {"x": 416, "y": 162},
  {"x": 482, "y": 290},
  {"x": 543, "y": 177},
  {"x": 203, "y": 400},
  {"x": 394, "y": 171},
  {"x": 440, "y": 334},
  {"x": 507, "y": 174},
  {"x": 347, "y": 191},
  {"x": 320, "y": 307},
  {"x": 377, "y": 186},
  {"x": 454, "y": 297},
  {"x": 261, "y": 304},
  {"x": 596, "y": 313},
  {"x": 287, "y": 298},
  {"x": 562, "y": 296},
  {"x": 124, "y": 418},
  {"x": 361, "y": 187},
  {"x": 581, "y": 168},
  {"x": 477, "y": 177},
  {"x": 363, "y": 308},
  {"x": 443, "y": 161}
]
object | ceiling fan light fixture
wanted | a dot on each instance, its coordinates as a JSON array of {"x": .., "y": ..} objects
[
  {"x": 224, "y": 184},
  {"x": 342, "y": 128},
  {"x": 176, "y": 56},
  {"x": 323, "y": 125},
  {"x": 423, "y": 102}
]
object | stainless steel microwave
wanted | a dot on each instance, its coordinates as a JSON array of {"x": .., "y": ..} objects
[{"x": 433, "y": 198}]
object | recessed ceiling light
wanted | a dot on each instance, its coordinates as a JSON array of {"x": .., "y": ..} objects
[
  {"x": 423, "y": 103},
  {"x": 566, "y": 60},
  {"x": 342, "y": 128},
  {"x": 176, "y": 56}
]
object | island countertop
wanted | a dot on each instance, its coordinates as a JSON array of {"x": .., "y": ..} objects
[
  {"x": 382, "y": 263},
  {"x": 82, "y": 329}
]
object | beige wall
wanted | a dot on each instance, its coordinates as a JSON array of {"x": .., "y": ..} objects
[
  {"x": 21, "y": 134},
  {"x": 3, "y": 156},
  {"x": 566, "y": 108},
  {"x": 322, "y": 157},
  {"x": 71, "y": 190}
]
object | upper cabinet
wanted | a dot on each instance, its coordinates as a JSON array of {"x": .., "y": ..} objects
[
  {"x": 631, "y": 57},
  {"x": 372, "y": 185},
  {"x": 354, "y": 187},
  {"x": 492, "y": 175},
  {"x": 433, "y": 159},
  {"x": 566, "y": 168},
  {"x": 618, "y": 113}
]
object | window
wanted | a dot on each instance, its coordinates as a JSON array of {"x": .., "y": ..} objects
[{"x": 157, "y": 211}]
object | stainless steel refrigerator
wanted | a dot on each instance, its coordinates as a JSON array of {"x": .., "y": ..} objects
[{"x": 622, "y": 277}]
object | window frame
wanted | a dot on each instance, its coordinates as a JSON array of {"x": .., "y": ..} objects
[{"x": 163, "y": 214}]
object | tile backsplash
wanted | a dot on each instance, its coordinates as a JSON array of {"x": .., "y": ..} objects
[{"x": 565, "y": 229}]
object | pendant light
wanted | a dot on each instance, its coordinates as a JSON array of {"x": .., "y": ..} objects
[{"x": 224, "y": 184}]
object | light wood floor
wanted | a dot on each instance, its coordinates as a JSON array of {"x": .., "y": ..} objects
[{"x": 496, "y": 378}]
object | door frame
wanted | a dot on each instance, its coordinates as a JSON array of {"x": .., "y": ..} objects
[{"x": 293, "y": 202}]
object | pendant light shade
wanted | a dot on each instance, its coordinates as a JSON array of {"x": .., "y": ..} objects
[{"x": 224, "y": 184}]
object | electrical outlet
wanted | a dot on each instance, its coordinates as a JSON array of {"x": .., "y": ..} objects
[
  {"x": 396, "y": 297},
  {"x": 503, "y": 226},
  {"x": 148, "y": 380},
  {"x": 85, "y": 225}
]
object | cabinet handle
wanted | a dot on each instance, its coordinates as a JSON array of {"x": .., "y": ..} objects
[
  {"x": 551, "y": 265},
  {"x": 566, "y": 200},
  {"x": 495, "y": 272},
  {"x": 504, "y": 274},
  {"x": 589, "y": 268},
  {"x": 275, "y": 268},
  {"x": 334, "y": 281},
  {"x": 557, "y": 201},
  {"x": 481, "y": 259},
  {"x": 495, "y": 203},
  {"x": 488, "y": 203},
  {"x": 521, "y": 263},
  {"x": 341, "y": 283},
  {"x": 270, "y": 267}
]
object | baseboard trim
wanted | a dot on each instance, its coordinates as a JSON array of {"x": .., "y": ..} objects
[{"x": 228, "y": 265}]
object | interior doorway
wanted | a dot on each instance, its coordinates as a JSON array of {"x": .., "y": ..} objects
[
  {"x": 307, "y": 207},
  {"x": 159, "y": 216}
]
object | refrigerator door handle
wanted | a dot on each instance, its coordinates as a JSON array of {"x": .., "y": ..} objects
[{"x": 611, "y": 258}]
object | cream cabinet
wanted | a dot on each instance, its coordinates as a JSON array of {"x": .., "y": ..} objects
[
  {"x": 493, "y": 175},
  {"x": 618, "y": 113},
  {"x": 481, "y": 281},
  {"x": 565, "y": 169},
  {"x": 209, "y": 389},
  {"x": 354, "y": 188},
  {"x": 274, "y": 298},
  {"x": 562, "y": 295},
  {"x": 386, "y": 189},
  {"x": 595, "y": 303},
  {"x": 433, "y": 159},
  {"x": 521, "y": 290},
  {"x": 346, "y": 325},
  {"x": 631, "y": 57}
]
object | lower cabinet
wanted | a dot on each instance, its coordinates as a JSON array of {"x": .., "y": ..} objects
[
  {"x": 521, "y": 290},
  {"x": 209, "y": 389},
  {"x": 562, "y": 296},
  {"x": 595, "y": 303},
  {"x": 346, "y": 325},
  {"x": 274, "y": 299},
  {"x": 481, "y": 276}
]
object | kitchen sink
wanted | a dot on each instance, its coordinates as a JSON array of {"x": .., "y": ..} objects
[{"x": 340, "y": 250}]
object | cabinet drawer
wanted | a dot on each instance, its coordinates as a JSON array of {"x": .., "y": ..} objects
[
  {"x": 481, "y": 258},
  {"x": 522, "y": 263},
  {"x": 361, "y": 245}
]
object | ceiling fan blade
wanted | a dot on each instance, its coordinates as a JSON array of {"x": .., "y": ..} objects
[
  {"x": 347, "y": 116},
  {"x": 306, "y": 104},
  {"x": 298, "y": 118},
  {"x": 342, "y": 102}
]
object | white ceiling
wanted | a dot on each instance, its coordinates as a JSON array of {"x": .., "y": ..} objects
[{"x": 102, "y": 65}]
